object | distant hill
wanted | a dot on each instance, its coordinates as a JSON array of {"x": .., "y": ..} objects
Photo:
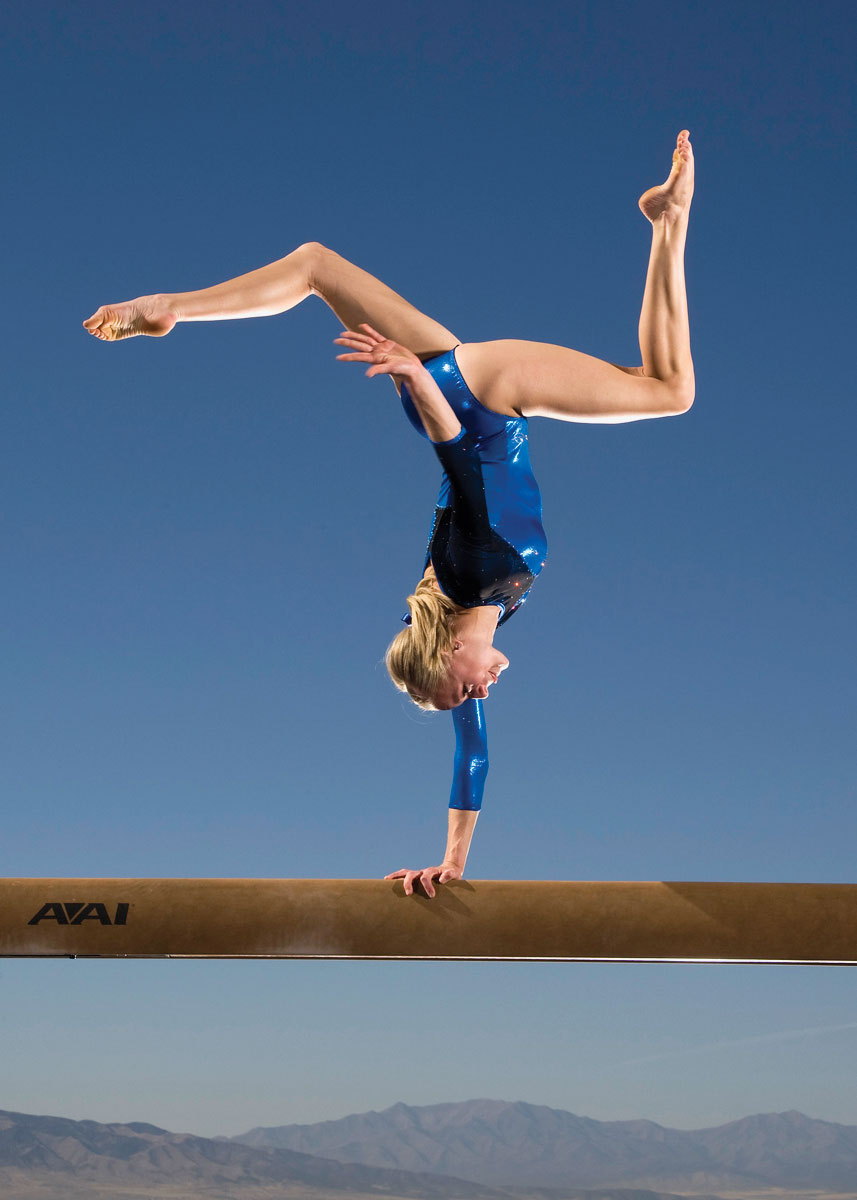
[
  {"x": 53, "y": 1158},
  {"x": 517, "y": 1145},
  {"x": 479, "y": 1150}
]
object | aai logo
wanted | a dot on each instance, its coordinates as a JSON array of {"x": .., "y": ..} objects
[{"x": 75, "y": 912}]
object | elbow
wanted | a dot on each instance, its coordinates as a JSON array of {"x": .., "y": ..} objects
[{"x": 479, "y": 771}]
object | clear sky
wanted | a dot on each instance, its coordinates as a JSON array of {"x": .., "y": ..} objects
[{"x": 206, "y": 539}]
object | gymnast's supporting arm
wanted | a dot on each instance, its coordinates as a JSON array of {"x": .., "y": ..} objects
[
  {"x": 385, "y": 357},
  {"x": 462, "y": 822},
  {"x": 471, "y": 756},
  {"x": 468, "y": 782}
]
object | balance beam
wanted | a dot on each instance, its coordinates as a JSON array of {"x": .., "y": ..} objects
[{"x": 366, "y": 919}]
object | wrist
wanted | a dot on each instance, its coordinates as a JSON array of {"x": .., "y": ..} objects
[{"x": 417, "y": 376}]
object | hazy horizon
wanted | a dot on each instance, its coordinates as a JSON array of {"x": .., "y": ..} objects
[{"x": 344, "y": 1115}]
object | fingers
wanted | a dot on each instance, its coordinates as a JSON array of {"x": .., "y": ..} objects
[
  {"x": 408, "y": 876},
  {"x": 364, "y": 349},
  {"x": 387, "y": 363},
  {"x": 366, "y": 334},
  {"x": 425, "y": 878},
  {"x": 393, "y": 367},
  {"x": 367, "y": 345},
  {"x": 373, "y": 333},
  {"x": 385, "y": 357},
  {"x": 411, "y": 878},
  {"x": 369, "y": 337},
  {"x": 354, "y": 339}
]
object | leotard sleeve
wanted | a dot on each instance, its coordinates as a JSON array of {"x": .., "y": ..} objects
[
  {"x": 461, "y": 463},
  {"x": 471, "y": 756},
  {"x": 460, "y": 460}
]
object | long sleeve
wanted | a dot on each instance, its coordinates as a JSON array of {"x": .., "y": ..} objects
[
  {"x": 463, "y": 468},
  {"x": 471, "y": 756}
]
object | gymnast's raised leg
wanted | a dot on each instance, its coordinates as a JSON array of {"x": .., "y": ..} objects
[
  {"x": 511, "y": 377},
  {"x": 535, "y": 379},
  {"x": 355, "y": 296}
]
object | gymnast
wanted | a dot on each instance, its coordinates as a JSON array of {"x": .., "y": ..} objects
[{"x": 487, "y": 544}]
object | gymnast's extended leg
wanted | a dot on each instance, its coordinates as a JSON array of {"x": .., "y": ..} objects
[
  {"x": 354, "y": 295},
  {"x": 538, "y": 379},
  {"x": 513, "y": 377}
]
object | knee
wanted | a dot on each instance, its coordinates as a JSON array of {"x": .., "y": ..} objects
[
  {"x": 687, "y": 396},
  {"x": 313, "y": 256},
  {"x": 310, "y": 252},
  {"x": 682, "y": 393}
]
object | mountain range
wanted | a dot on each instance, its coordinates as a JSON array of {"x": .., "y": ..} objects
[
  {"x": 54, "y": 1156},
  {"x": 477, "y": 1150},
  {"x": 517, "y": 1145}
]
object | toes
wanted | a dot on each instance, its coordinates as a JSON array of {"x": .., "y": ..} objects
[{"x": 682, "y": 145}]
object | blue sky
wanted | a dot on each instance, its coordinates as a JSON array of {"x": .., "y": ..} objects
[{"x": 206, "y": 539}]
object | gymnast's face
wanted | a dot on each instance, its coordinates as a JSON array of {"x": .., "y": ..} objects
[{"x": 474, "y": 668}]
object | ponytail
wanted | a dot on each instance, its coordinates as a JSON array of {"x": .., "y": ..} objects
[{"x": 417, "y": 658}]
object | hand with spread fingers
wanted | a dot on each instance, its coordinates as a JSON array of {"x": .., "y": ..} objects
[
  {"x": 426, "y": 878},
  {"x": 385, "y": 356}
]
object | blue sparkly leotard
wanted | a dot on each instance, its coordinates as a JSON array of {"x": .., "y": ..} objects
[{"x": 487, "y": 544}]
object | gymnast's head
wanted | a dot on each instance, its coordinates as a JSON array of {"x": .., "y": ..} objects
[{"x": 437, "y": 664}]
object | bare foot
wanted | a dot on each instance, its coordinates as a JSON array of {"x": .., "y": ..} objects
[
  {"x": 672, "y": 199},
  {"x": 148, "y": 315}
]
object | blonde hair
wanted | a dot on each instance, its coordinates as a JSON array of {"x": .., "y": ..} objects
[{"x": 417, "y": 657}]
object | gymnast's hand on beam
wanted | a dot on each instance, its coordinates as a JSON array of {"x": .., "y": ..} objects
[
  {"x": 426, "y": 877},
  {"x": 384, "y": 356}
]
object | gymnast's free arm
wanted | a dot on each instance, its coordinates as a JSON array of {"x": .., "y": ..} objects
[{"x": 388, "y": 358}]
